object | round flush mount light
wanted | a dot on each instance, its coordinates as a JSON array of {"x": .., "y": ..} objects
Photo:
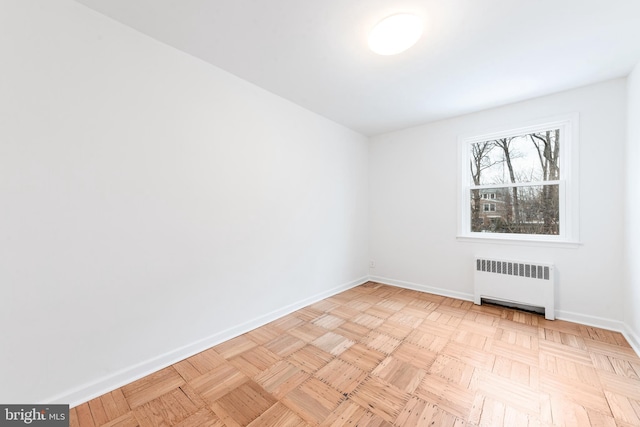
[{"x": 395, "y": 34}]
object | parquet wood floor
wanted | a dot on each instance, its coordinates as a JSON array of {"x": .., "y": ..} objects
[{"x": 377, "y": 355}]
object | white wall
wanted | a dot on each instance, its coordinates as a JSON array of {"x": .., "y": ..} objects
[
  {"x": 152, "y": 204},
  {"x": 632, "y": 210},
  {"x": 413, "y": 198}
]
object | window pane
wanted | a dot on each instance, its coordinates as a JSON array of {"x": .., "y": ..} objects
[
  {"x": 522, "y": 158},
  {"x": 530, "y": 209}
]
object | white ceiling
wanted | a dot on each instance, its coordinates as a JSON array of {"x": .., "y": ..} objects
[{"x": 474, "y": 54}]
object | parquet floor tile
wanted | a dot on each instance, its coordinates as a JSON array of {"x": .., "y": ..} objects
[
  {"x": 358, "y": 304},
  {"x": 199, "y": 364},
  {"x": 620, "y": 384},
  {"x": 113, "y": 405},
  {"x": 310, "y": 358},
  {"x": 470, "y": 355},
  {"x": 380, "y": 397},
  {"x": 235, "y": 346},
  {"x": 278, "y": 416},
  {"x": 328, "y": 321},
  {"x": 380, "y": 312},
  {"x": 585, "y": 395},
  {"x": 419, "y": 357},
  {"x": 333, "y": 343},
  {"x": 515, "y": 352},
  {"x": 307, "y": 332},
  {"x": 342, "y": 376},
  {"x": 519, "y": 396},
  {"x": 456, "y": 312},
  {"x": 290, "y": 321},
  {"x": 313, "y": 401},
  {"x": 218, "y": 382},
  {"x": 478, "y": 327},
  {"x": 497, "y": 413},
  {"x": 418, "y": 413},
  {"x": 243, "y": 404},
  {"x": 264, "y": 334},
  {"x": 255, "y": 361},
  {"x": 285, "y": 344},
  {"x": 393, "y": 304},
  {"x": 378, "y": 355},
  {"x": 363, "y": 357},
  {"x": 368, "y": 320},
  {"x": 381, "y": 342},
  {"x": 428, "y": 340},
  {"x": 352, "y": 414},
  {"x": 127, "y": 420},
  {"x": 456, "y": 399},
  {"x": 517, "y": 372},
  {"x": 152, "y": 386},
  {"x": 352, "y": 331},
  {"x": 624, "y": 408},
  {"x": 569, "y": 413},
  {"x": 395, "y": 330},
  {"x": 309, "y": 314},
  {"x": 400, "y": 374},
  {"x": 281, "y": 378},
  {"x": 347, "y": 313},
  {"x": 425, "y": 305},
  {"x": 203, "y": 418},
  {"x": 433, "y": 327},
  {"x": 173, "y": 407},
  {"x": 406, "y": 318}
]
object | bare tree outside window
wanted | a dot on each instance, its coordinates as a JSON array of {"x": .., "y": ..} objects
[{"x": 520, "y": 175}]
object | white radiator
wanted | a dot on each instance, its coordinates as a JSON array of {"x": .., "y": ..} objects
[{"x": 524, "y": 283}]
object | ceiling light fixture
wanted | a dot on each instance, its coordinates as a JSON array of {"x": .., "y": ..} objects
[{"x": 395, "y": 34}]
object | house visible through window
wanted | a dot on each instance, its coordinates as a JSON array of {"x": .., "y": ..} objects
[{"x": 525, "y": 174}]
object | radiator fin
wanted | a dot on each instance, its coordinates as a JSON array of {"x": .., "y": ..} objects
[{"x": 533, "y": 271}]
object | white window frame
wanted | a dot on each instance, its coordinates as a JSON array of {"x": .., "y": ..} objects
[{"x": 568, "y": 182}]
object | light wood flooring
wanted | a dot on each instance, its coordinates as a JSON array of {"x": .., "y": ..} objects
[{"x": 377, "y": 355}]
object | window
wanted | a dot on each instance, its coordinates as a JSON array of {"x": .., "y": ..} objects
[
  {"x": 489, "y": 207},
  {"x": 530, "y": 176}
]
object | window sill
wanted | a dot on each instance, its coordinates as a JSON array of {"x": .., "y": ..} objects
[{"x": 517, "y": 241}]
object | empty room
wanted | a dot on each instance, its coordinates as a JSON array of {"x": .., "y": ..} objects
[{"x": 297, "y": 213}]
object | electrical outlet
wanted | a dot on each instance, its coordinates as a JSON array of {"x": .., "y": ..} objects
[{"x": 372, "y": 264}]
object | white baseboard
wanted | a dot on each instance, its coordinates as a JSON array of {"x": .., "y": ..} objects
[
  {"x": 125, "y": 376},
  {"x": 600, "y": 322},
  {"x": 423, "y": 288},
  {"x": 587, "y": 320},
  {"x": 632, "y": 338}
]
